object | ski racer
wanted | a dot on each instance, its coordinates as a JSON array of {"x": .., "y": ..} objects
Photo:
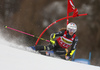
[{"x": 66, "y": 38}]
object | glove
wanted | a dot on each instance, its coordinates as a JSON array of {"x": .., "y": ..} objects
[
  {"x": 52, "y": 42},
  {"x": 52, "y": 37}
]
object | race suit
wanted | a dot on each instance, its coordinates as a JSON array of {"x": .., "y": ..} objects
[{"x": 62, "y": 43}]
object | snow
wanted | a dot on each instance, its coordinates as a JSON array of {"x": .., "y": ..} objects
[{"x": 15, "y": 59}]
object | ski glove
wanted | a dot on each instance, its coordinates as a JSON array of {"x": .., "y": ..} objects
[
  {"x": 52, "y": 42},
  {"x": 52, "y": 37}
]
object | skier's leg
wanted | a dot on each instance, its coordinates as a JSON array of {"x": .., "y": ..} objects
[
  {"x": 61, "y": 52},
  {"x": 48, "y": 47},
  {"x": 39, "y": 48}
]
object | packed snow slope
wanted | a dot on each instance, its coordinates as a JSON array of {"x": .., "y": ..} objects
[{"x": 15, "y": 59}]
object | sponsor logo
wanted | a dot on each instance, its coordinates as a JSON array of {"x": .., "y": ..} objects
[{"x": 66, "y": 41}]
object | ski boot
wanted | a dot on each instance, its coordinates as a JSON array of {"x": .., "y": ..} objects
[
  {"x": 49, "y": 53},
  {"x": 33, "y": 47}
]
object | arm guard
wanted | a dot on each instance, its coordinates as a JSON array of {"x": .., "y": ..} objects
[{"x": 53, "y": 36}]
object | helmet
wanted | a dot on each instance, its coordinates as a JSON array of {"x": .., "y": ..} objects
[{"x": 72, "y": 27}]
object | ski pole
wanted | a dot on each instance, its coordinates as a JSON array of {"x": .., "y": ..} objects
[{"x": 25, "y": 33}]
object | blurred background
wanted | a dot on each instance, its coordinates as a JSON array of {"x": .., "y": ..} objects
[{"x": 33, "y": 16}]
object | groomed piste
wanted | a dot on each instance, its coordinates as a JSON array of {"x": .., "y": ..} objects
[{"x": 15, "y": 59}]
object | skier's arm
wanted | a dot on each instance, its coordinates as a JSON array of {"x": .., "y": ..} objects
[
  {"x": 54, "y": 35},
  {"x": 73, "y": 47}
]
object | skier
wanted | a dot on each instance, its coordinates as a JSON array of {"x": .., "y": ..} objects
[{"x": 66, "y": 39}]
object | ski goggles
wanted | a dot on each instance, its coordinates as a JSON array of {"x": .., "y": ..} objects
[{"x": 72, "y": 30}]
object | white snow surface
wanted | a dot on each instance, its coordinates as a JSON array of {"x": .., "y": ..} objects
[{"x": 15, "y": 59}]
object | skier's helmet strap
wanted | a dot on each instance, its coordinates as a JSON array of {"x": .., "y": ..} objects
[{"x": 72, "y": 27}]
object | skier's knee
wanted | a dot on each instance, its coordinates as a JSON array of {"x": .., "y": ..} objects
[
  {"x": 39, "y": 47},
  {"x": 60, "y": 52}
]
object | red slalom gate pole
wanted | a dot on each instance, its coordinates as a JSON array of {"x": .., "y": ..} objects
[
  {"x": 49, "y": 27},
  {"x": 55, "y": 23}
]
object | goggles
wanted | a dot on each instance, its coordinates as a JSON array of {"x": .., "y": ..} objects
[{"x": 72, "y": 30}]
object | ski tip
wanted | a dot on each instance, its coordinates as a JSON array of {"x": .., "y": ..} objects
[{"x": 5, "y": 26}]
